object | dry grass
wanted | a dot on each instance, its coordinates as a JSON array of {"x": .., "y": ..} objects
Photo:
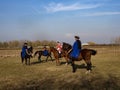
[{"x": 105, "y": 73}]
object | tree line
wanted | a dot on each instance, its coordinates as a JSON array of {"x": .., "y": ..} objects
[
  {"x": 15, "y": 44},
  {"x": 36, "y": 44}
]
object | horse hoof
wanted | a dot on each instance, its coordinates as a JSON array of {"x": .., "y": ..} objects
[
  {"x": 66, "y": 64},
  {"x": 73, "y": 71},
  {"x": 88, "y": 71}
]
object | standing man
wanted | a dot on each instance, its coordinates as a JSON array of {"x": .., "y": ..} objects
[
  {"x": 76, "y": 47},
  {"x": 24, "y": 51}
]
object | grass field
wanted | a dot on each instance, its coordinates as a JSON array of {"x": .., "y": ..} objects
[{"x": 105, "y": 73}]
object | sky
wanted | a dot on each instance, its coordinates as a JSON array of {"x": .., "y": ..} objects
[{"x": 60, "y": 20}]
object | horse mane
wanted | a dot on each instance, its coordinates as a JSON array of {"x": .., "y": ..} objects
[
  {"x": 53, "y": 48},
  {"x": 66, "y": 46},
  {"x": 67, "y": 43}
]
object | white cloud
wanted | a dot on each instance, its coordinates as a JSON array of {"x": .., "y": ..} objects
[
  {"x": 56, "y": 7},
  {"x": 68, "y": 35},
  {"x": 102, "y": 14}
]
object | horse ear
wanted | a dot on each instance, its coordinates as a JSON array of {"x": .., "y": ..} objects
[{"x": 63, "y": 42}]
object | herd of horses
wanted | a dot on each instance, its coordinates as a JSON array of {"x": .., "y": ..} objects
[{"x": 85, "y": 55}]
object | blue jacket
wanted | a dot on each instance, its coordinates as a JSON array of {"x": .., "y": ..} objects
[
  {"x": 76, "y": 49},
  {"x": 24, "y": 48}
]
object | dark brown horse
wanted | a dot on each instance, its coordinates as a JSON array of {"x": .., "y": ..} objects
[
  {"x": 57, "y": 55},
  {"x": 41, "y": 53},
  {"x": 85, "y": 54}
]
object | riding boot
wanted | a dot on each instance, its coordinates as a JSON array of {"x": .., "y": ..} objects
[{"x": 59, "y": 55}]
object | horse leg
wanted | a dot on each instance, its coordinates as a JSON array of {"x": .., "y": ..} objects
[
  {"x": 26, "y": 61},
  {"x": 51, "y": 58},
  {"x": 47, "y": 58},
  {"x": 66, "y": 60},
  {"x": 89, "y": 66},
  {"x": 57, "y": 62},
  {"x": 39, "y": 58},
  {"x": 29, "y": 61}
]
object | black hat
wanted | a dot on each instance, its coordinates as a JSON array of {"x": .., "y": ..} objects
[
  {"x": 26, "y": 43},
  {"x": 77, "y": 37}
]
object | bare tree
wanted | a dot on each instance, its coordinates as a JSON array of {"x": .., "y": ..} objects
[{"x": 116, "y": 40}]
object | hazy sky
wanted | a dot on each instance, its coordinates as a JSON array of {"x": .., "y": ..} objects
[{"x": 60, "y": 20}]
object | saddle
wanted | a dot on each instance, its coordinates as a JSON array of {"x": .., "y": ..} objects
[{"x": 45, "y": 52}]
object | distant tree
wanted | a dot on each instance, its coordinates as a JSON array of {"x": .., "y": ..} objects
[
  {"x": 1, "y": 45},
  {"x": 52, "y": 43},
  {"x": 37, "y": 43},
  {"x": 45, "y": 42},
  {"x": 19, "y": 44},
  {"x": 5, "y": 44},
  {"x": 116, "y": 40},
  {"x": 14, "y": 44}
]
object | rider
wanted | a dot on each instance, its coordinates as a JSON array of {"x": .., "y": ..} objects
[
  {"x": 76, "y": 48},
  {"x": 45, "y": 51},
  {"x": 59, "y": 48}
]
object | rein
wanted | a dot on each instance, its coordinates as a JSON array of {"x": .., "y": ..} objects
[{"x": 69, "y": 51}]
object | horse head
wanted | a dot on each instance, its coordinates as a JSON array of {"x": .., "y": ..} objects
[{"x": 30, "y": 49}]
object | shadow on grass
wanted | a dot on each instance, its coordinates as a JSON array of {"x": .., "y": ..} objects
[
  {"x": 93, "y": 83},
  {"x": 82, "y": 66},
  {"x": 42, "y": 61}
]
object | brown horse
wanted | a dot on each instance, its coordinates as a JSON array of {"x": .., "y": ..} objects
[
  {"x": 57, "y": 55},
  {"x": 85, "y": 54}
]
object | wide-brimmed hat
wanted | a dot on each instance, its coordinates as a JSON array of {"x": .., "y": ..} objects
[{"x": 77, "y": 37}]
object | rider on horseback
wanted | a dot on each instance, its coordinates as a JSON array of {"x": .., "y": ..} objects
[
  {"x": 45, "y": 51},
  {"x": 76, "y": 48},
  {"x": 59, "y": 48}
]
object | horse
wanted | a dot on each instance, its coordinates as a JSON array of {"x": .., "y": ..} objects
[
  {"x": 57, "y": 55},
  {"x": 27, "y": 56},
  {"x": 41, "y": 53},
  {"x": 85, "y": 54}
]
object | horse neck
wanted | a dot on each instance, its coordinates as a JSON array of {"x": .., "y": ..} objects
[
  {"x": 69, "y": 47},
  {"x": 53, "y": 50}
]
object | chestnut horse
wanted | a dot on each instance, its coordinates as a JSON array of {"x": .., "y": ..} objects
[
  {"x": 85, "y": 54},
  {"x": 57, "y": 55}
]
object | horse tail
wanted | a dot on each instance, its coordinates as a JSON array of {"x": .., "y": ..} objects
[{"x": 93, "y": 52}]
